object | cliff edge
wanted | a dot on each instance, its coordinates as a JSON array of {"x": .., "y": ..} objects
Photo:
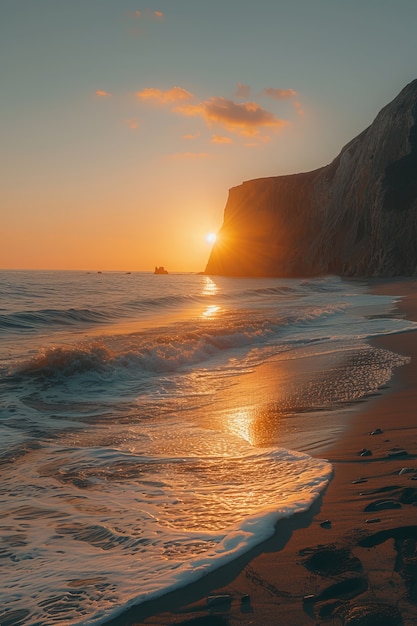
[{"x": 356, "y": 216}]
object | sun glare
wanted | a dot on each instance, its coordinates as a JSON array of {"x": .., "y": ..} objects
[{"x": 211, "y": 237}]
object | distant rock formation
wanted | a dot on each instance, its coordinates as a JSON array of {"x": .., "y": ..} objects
[{"x": 354, "y": 217}]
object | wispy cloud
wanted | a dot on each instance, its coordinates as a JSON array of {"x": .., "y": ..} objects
[
  {"x": 189, "y": 136},
  {"x": 147, "y": 13},
  {"x": 242, "y": 91},
  {"x": 221, "y": 139},
  {"x": 170, "y": 96},
  {"x": 298, "y": 108},
  {"x": 103, "y": 94},
  {"x": 259, "y": 140},
  {"x": 246, "y": 118},
  {"x": 279, "y": 94}
]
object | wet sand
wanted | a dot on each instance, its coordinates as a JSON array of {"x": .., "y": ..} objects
[{"x": 352, "y": 559}]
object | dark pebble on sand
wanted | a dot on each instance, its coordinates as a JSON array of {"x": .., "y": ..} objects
[
  {"x": 376, "y": 431},
  {"x": 219, "y": 600},
  {"x": 382, "y": 505},
  {"x": 365, "y": 452},
  {"x": 406, "y": 470},
  {"x": 397, "y": 453},
  {"x": 309, "y": 598},
  {"x": 347, "y": 588},
  {"x": 326, "y": 524}
]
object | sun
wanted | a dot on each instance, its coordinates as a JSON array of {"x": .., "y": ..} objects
[{"x": 211, "y": 237}]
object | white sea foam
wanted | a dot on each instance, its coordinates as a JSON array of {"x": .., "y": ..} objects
[{"x": 95, "y": 522}]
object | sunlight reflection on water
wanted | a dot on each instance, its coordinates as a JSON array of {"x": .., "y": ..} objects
[
  {"x": 211, "y": 310},
  {"x": 209, "y": 287}
]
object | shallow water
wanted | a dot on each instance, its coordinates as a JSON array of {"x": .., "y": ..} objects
[{"x": 155, "y": 427}]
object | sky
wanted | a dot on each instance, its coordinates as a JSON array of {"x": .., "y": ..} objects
[{"x": 124, "y": 123}]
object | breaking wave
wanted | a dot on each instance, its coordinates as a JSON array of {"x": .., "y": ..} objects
[{"x": 167, "y": 351}]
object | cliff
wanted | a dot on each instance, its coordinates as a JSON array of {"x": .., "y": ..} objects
[{"x": 356, "y": 216}]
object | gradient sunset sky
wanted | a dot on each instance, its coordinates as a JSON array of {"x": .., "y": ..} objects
[{"x": 124, "y": 123}]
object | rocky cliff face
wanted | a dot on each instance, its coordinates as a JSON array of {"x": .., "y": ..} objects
[{"x": 354, "y": 217}]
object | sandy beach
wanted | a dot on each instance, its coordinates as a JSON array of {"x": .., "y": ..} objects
[{"x": 352, "y": 559}]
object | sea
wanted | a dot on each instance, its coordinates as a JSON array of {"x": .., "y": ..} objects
[{"x": 156, "y": 427}]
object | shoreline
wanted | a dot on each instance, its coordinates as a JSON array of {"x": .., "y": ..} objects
[{"x": 320, "y": 566}]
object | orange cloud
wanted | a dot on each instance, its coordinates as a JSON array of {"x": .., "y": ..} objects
[
  {"x": 246, "y": 118},
  {"x": 103, "y": 94},
  {"x": 158, "y": 14},
  {"x": 191, "y": 136},
  {"x": 280, "y": 94},
  {"x": 221, "y": 139},
  {"x": 242, "y": 91},
  {"x": 176, "y": 94}
]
